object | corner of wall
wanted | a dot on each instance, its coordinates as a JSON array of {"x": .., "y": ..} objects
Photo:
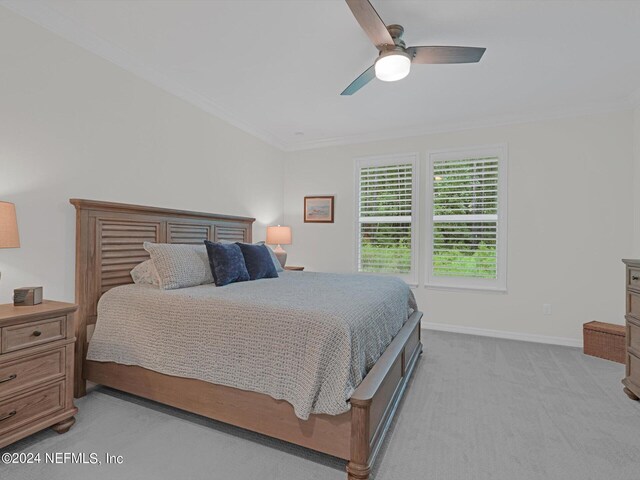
[
  {"x": 288, "y": 157},
  {"x": 636, "y": 181}
]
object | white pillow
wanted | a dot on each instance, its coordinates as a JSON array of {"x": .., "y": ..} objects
[
  {"x": 180, "y": 265},
  {"x": 145, "y": 273}
]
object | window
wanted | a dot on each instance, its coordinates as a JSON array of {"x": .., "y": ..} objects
[
  {"x": 467, "y": 224},
  {"x": 386, "y": 205}
]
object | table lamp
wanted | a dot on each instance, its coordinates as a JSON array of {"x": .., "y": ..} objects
[
  {"x": 279, "y": 235},
  {"x": 8, "y": 226}
]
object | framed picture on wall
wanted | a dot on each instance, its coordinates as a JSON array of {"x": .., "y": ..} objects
[{"x": 318, "y": 209}]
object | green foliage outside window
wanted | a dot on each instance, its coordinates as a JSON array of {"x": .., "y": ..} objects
[{"x": 465, "y": 248}]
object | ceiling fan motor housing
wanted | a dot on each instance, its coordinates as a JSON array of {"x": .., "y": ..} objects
[
  {"x": 396, "y": 32},
  {"x": 399, "y": 47},
  {"x": 397, "y": 50}
]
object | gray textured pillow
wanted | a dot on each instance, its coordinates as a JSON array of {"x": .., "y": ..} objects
[
  {"x": 180, "y": 265},
  {"x": 145, "y": 274}
]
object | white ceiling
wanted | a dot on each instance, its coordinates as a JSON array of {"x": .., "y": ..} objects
[{"x": 275, "y": 68}]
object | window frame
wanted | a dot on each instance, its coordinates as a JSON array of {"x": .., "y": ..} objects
[
  {"x": 412, "y": 158},
  {"x": 498, "y": 284}
]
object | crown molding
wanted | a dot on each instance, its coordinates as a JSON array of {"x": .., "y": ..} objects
[
  {"x": 54, "y": 21},
  {"x": 487, "y": 122}
]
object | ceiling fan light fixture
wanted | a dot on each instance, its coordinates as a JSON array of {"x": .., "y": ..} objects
[{"x": 393, "y": 66}]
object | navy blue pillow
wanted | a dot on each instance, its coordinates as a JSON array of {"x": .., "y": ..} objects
[
  {"x": 258, "y": 261},
  {"x": 226, "y": 262}
]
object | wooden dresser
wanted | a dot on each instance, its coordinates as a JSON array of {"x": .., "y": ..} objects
[
  {"x": 632, "y": 380},
  {"x": 36, "y": 369}
]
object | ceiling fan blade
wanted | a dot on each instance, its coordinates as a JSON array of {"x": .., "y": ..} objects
[
  {"x": 446, "y": 54},
  {"x": 364, "y": 78},
  {"x": 370, "y": 22}
]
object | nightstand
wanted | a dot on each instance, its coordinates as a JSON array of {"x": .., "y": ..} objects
[
  {"x": 36, "y": 369},
  {"x": 293, "y": 268},
  {"x": 631, "y": 381}
]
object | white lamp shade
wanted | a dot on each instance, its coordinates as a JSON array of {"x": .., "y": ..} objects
[
  {"x": 279, "y": 235},
  {"x": 8, "y": 226},
  {"x": 393, "y": 66}
]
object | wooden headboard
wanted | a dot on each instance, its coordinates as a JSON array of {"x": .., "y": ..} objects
[{"x": 109, "y": 238}]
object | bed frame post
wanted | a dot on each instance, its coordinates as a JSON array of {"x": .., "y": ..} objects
[
  {"x": 82, "y": 293},
  {"x": 358, "y": 467},
  {"x": 375, "y": 401}
]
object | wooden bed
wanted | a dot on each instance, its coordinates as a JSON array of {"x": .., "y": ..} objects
[{"x": 109, "y": 238}]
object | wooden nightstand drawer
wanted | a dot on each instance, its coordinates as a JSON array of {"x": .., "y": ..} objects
[
  {"x": 633, "y": 369},
  {"x": 633, "y": 278},
  {"x": 17, "y": 337},
  {"x": 31, "y": 406},
  {"x": 28, "y": 372},
  {"x": 633, "y": 335},
  {"x": 633, "y": 304}
]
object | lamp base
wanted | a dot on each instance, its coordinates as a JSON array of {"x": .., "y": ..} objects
[{"x": 281, "y": 255}]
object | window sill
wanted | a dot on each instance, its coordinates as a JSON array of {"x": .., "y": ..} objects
[
  {"x": 411, "y": 283},
  {"x": 455, "y": 288}
]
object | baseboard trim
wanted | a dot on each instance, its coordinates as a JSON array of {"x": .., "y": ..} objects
[{"x": 484, "y": 332}]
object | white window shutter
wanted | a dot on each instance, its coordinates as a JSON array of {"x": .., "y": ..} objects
[
  {"x": 467, "y": 219},
  {"x": 386, "y": 206}
]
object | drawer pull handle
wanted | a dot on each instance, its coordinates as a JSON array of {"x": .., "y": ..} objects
[
  {"x": 9, "y": 378},
  {"x": 37, "y": 333},
  {"x": 635, "y": 277},
  {"x": 8, "y": 415}
]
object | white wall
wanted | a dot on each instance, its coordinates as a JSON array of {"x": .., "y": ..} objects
[
  {"x": 570, "y": 221},
  {"x": 636, "y": 182},
  {"x": 75, "y": 125}
]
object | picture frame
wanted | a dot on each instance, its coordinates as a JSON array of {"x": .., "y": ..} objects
[{"x": 319, "y": 209}]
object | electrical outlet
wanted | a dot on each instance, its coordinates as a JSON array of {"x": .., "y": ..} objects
[{"x": 546, "y": 309}]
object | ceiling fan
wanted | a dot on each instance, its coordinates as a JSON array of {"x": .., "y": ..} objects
[{"x": 395, "y": 58}]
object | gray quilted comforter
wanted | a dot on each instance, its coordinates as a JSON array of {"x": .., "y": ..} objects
[{"x": 307, "y": 338}]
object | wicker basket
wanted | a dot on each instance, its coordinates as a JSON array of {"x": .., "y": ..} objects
[{"x": 605, "y": 340}]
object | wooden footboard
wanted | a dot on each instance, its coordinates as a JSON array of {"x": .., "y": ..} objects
[
  {"x": 375, "y": 401},
  {"x": 355, "y": 435}
]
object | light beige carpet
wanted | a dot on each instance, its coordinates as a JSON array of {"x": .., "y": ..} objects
[{"x": 477, "y": 408}]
